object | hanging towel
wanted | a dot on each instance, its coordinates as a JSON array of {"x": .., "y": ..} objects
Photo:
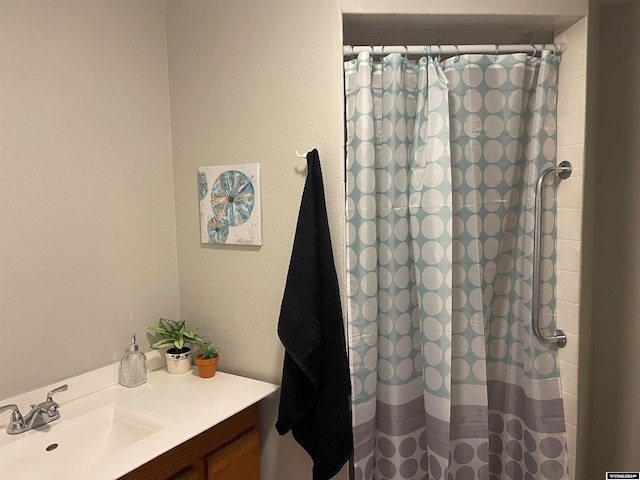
[{"x": 314, "y": 396}]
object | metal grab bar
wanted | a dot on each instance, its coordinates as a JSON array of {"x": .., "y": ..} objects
[{"x": 559, "y": 338}]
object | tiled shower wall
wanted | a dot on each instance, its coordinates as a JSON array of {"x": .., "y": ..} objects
[{"x": 571, "y": 146}]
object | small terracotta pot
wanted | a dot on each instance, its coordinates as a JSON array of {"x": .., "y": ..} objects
[{"x": 206, "y": 367}]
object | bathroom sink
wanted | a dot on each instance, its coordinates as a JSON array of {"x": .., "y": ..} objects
[
  {"x": 61, "y": 448},
  {"x": 106, "y": 430}
]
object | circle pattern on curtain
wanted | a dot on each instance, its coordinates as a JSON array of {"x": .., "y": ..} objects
[
  {"x": 491, "y": 225},
  {"x": 442, "y": 162}
]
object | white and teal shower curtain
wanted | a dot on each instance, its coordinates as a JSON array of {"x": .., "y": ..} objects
[{"x": 449, "y": 381}]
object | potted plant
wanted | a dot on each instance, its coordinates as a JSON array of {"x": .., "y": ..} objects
[
  {"x": 175, "y": 338},
  {"x": 207, "y": 361}
]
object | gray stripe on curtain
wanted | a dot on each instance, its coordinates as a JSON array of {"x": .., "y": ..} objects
[
  {"x": 469, "y": 421},
  {"x": 544, "y": 416}
]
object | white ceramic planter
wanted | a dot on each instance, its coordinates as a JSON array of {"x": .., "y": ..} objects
[{"x": 178, "y": 363}]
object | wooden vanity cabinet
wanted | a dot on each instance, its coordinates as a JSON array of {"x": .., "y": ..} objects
[{"x": 227, "y": 451}]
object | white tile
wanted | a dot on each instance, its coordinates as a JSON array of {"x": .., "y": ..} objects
[
  {"x": 568, "y": 255},
  {"x": 571, "y": 439},
  {"x": 572, "y": 92},
  {"x": 568, "y": 287},
  {"x": 563, "y": 97},
  {"x": 570, "y": 403},
  {"x": 569, "y": 353},
  {"x": 569, "y": 377},
  {"x": 574, "y": 60},
  {"x": 571, "y": 128},
  {"x": 577, "y": 94},
  {"x": 571, "y": 464},
  {"x": 570, "y": 223},
  {"x": 569, "y": 192},
  {"x": 568, "y": 316},
  {"x": 574, "y": 154}
]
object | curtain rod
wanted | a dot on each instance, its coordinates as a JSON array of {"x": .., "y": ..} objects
[{"x": 348, "y": 50}]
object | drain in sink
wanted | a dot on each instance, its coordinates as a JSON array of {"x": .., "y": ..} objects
[{"x": 51, "y": 447}]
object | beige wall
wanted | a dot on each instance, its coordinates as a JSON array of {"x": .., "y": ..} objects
[
  {"x": 615, "y": 418},
  {"x": 254, "y": 85},
  {"x": 87, "y": 224}
]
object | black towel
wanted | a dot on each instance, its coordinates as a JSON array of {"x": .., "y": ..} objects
[{"x": 314, "y": 398}]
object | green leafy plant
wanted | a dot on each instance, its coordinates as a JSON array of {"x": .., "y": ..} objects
[
  {"x": 175, "y": 335},
  {"x": 209, "y": 352}
]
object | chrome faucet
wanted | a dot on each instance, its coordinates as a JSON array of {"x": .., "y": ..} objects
[{"x": 41, "y": 414}]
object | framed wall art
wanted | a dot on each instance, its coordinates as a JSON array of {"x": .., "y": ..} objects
[{"x": 230, "y": 206}]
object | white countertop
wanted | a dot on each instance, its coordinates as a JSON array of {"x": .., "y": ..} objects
[{"x": 190, "y": 404}]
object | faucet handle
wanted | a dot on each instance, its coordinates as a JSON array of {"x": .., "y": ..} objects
[
  {"x": 16, "y": 425},
  {"x": 61, "y": 388},
  {"x": 16, "y": 410}
]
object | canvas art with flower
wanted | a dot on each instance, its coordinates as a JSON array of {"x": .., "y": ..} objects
[{"x": 230, "y": 207}]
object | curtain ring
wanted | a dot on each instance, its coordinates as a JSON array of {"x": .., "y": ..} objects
[
  {"x": 353, "y": 57},
  {"x": 406, "y": 52},
  {"x": 535, "y": 52},
  {"x": 457, "y": 57},
  {"x": 426, "y": 54},
  {"x": 495, "y": 59},
  {"x": 439, "y": 57},
  {"x": 555, "y": 49}
]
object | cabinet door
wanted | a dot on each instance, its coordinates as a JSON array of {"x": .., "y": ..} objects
[
  {"x": 190, "y": 473},
  {"x": 239, "y": 460}
]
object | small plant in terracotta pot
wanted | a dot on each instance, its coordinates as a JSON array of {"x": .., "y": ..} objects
[
  {"x": 175, "y": 338},
  {"x": 207, "y": 361}
]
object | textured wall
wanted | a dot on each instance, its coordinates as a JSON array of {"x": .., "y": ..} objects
[
  {"x": 253, "y": 84},
  {"x": 613, "y": 436},
  {"x": 87, "y": 225}
]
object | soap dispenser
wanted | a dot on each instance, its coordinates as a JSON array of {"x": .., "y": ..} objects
[{"x": 133, "y": 366}]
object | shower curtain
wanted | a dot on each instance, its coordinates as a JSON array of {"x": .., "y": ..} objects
[{"x": 448, "y": 379}]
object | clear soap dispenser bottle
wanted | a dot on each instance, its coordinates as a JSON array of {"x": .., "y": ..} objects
[{"x": 133, "y": 366}]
